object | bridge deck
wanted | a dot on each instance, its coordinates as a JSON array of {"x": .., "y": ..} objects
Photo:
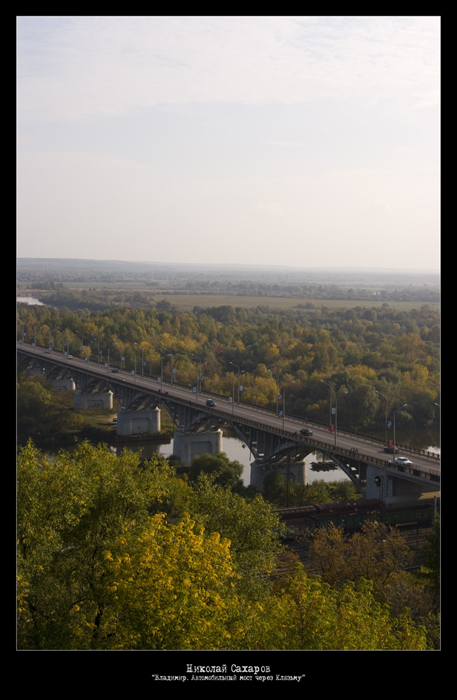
[{"x": 426, "y": 466}]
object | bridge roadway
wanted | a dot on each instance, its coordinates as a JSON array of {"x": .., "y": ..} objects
[{"x": 426, "y": 463}]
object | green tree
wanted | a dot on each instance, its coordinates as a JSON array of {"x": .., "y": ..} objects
[
  {"x": 323, "y": 618},
  {"x": 254, "y": 532},
  {"x": 224, "y": 471},
  {"x": 275, "y": 488},
  {"x": 433, "y": 556},
  {"x": 374, "y": 553},
  {"x": 70, "y": 510}
]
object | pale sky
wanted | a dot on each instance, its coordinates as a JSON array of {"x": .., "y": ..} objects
[{"x": 303, "y": 141}]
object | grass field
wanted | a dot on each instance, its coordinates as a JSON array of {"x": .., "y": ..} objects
[{"x": 187, "y": 302}]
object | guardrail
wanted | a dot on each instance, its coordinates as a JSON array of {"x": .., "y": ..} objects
[
  {"x": 326, "y": 447},
  {"x": 260, "y": 409}
]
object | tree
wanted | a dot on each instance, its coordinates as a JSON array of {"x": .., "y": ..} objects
[
  {"x": 433, "y": 556},
  {"x": 97, "y": 571},
  {"x": 274, "y": 488},
  {"x": 70, "y": 510},
  {"x": 374, "y": 553},
  {"x": 323, "y": 618},
  {"x": 224, "y": 471},
  {"x": 254, "y": 532}
]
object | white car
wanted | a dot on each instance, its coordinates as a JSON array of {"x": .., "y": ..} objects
[{"x": 402, "y": 461}]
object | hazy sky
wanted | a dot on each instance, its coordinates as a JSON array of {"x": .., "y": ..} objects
[{"x": 303, "y": 141}]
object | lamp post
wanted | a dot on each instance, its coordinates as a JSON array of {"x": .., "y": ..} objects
[
  {"x": 284, "y": 403},
  {"x": 171, "y": 368},
  {"x": 98, "y": 348},
  {"x": 277, "y": 399},
  {"x": 242, "y": 371},
  {"x": 395, "y": 412},
  {"x": 200, "y": 371},
  {"x": 161, "y": 372},
  {"x": 170, "y": 354},
  {"x": 385, "y": 423},
  {"x": 336, "y": 413},
  {"x": 330, "y": 409}
]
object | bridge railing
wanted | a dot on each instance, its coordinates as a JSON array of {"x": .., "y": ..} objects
[
  {"x": 326, "y": 447},
  {"x": 301, "y": 421},
  {"x": 261, "y": 409}
]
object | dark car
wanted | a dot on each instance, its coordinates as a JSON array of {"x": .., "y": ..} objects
[
  {"x": 115, "y": 371},
  {"x": 210, "y": 402},
  {"x": 391, "y": 449},
  {"x": 306, "y": 431}
]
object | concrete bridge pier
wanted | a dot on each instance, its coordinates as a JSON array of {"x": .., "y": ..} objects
[
  {"x": 393, "y": 490},
  {"x": 296, "y": 471},
  {"x": 186, "y": 446},
  {"x": 139, "y": 422},
  {"x": 33, "y": 371},
  {"x": 93, "y": 400},
  {"x": 66, "y": 384},
  {"x": 379, "y": 484}
]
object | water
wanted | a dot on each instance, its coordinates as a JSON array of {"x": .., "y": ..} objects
[
  {"x": 237, "y": 450},
  {"x": 29, "y": 300}
]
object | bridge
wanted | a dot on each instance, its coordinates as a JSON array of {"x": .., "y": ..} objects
[{"x": 274, "y": 442}]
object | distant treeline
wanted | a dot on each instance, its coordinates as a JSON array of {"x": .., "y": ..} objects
[{"x": 98, "y": 299}]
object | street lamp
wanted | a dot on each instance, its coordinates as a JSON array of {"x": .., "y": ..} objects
[
  {"x": 385, "y": 424},
  {"x": 98, "y": 347},
  {"x": 200, "y": 371},
  {"x": 277, "y": 397},
  {"x": 170, "y": 354},
  {"x": 395, "y": 412},
  {"x": 242, "y": 371},
  {"x": 161, "y": 372},
  {"x": 284, "y": 403},
  {"x": 171, "y": 368},
  {"x": 336, "y": 413},
  {"x": 330, "y": 409}
]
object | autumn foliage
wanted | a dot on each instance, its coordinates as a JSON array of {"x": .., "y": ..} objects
[{"x": 100, "y": 567}]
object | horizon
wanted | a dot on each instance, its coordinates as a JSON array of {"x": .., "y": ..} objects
[{"x": 237, "y": 265}]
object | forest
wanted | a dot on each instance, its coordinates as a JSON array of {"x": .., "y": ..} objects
[{"x": 384, "y": 357}]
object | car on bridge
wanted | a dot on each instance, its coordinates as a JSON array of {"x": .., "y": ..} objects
[
  {"x": 210, "y": 402},
  {"x": 306, "y": 431},
  {"x": 403, "y": 461},
  {"x": 391, "y": 449}
]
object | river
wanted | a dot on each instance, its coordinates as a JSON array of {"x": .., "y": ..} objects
[{"x": 235, "y": 449}]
